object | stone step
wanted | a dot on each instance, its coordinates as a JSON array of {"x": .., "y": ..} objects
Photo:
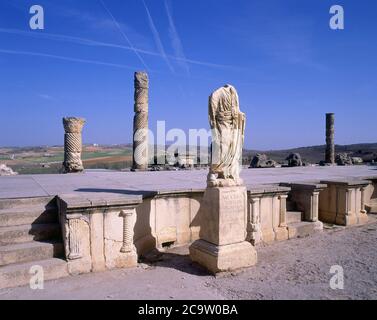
[
  {"x": 25, "y": 202},
  {"x": 291, "y": 206},
  {"x": 30, "y": 251},
  {"x": 28, "y": 215},
  {"x": 28, "y": 233},
  {"x": 303, "y": 229},
  {"x": 294, "y": 216},
  {"x": 19, "y": 274}
]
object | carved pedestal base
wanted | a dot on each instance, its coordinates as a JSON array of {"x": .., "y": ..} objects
[
  {"x": 223, "y": 258},
  {"x": 222, "y": 245}
]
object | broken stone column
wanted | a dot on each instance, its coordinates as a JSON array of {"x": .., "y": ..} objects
[
  {"x": 330, "y": 147},
  {"x": 72, "y": 144},
  {"x": 140, "y": 133}
]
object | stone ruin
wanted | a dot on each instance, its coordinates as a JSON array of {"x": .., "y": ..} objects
[
  {"x": 294, "y": 160},
  {"x": 73, "y": 144},
  {"x": 343, "y": 159},
  {"x": 262, "y": 161},
  {"x": 330, "y": 144},
  {"x": 357, "y": 160},
  {"x": 140, "y": 125},
  {"x": 222, "y": 222},
  {"x": 6, "y": 171}
]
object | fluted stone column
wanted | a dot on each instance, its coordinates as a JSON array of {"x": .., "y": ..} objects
[
  {"x": 330, "y": 147},
  {"x": 72, "y": 144},
  {"x": 140, "y": 133}
]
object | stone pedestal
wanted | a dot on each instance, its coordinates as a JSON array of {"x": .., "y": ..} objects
[{"x": 222, "y": 245}]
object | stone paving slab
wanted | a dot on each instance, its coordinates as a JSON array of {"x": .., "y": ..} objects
[
  {"x": 103, "y": 183},
  {"x": 294, "y": 269}
]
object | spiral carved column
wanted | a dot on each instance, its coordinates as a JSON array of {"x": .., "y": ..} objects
[
  {"x": 140, "y": 132},
  {"x": 128, "y": 231},
  {"x": 72, "y": 144},
  {"x": 330, "y": 147}
]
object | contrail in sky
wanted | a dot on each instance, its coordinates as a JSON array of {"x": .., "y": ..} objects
[
  {"x": 124, "y": 35},
  {"x": 157, "y": 38},
  {"x": 176, "y": 41},
  {"x": 45, "y": 55},
  {"x": 89, "y": 42}
]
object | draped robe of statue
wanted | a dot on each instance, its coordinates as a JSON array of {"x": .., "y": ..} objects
[{"x": 228, "y": 126}]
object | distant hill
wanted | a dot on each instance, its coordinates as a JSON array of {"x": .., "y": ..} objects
[
  {"x": 314, "y": 154},
  {"x": 44, "y": 159}
]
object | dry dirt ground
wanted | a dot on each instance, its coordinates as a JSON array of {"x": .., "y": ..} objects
[{"x": 294, "y": 269}]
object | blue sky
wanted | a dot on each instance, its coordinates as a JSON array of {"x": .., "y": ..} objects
[{"x": 288, "y": 66}]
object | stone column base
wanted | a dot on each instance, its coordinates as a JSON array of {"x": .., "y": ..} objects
[
  {"x": 350, "y": 220},
  {"x": 222, "y": 258},
  {"x": 304, "y": 229},
  {"x": 281, "y": 233},
  {"x": 125, "y": 260}
]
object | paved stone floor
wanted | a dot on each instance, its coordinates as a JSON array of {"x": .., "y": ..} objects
[
  {"x": 120, "y": 183},
  {"x": 293, "y": 269}
]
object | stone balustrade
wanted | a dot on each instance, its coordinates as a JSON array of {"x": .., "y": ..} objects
[
  {"x": 343, "y": 202},
  {"x": 306, "y": 197},
  {"x": 267, "y": 214},
  {"x": 370, "y": 194},
  {"x": 104, "y": 234},
  {"x": 98, "y": 234}
]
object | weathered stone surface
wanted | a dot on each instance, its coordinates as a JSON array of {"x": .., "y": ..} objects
[
  {"x": 343, "y": 159},
  {"x": 6, "y": 171},
  {"x": 294, "y": 160},
  {"x": 357, "y": 160},
  {"x": 224, "y": 213},
  {"x": 29, "y": 236},
  {"x": 222, "y": 245},
  {"x": 262, "y": 161},
  {"x": 72, "y": 144},
  {"x": 227, "y": 124},
  {"x": 19, "y": 274},
  {"x": 98, "y": 233},
  {"x": 305, "y": 198},
  {"x": 223, "y": 258},
  {"x": 343, "y": 202},
  {"x": 29, "y": 251},
  {"x": 304, "y": 229},
  {"x": 267, "y": 214},
  {"x": 370, "y": 193}
]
